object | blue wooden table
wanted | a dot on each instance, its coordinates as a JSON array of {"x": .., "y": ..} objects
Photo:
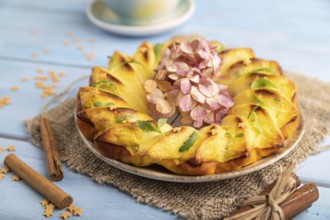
[{"x": 38, "y": 37}]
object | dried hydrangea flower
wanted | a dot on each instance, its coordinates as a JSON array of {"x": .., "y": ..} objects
[{"x": 184, "y": 80}]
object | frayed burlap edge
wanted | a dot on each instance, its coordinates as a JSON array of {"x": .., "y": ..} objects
[{"x": 213, "y": 200}]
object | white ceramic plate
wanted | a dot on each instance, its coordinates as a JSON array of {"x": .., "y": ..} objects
[
  {"x": 159, "y": 173},
  {"x": 101, "y": 16}
]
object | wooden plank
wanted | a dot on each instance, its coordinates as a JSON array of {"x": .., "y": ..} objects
[
  {"x": 27, "y": 102},
  {"x": 316, "y": 167},
  {"x": 20, "y": 201}
]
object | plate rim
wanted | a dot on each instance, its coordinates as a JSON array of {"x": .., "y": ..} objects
[
  {"x": 150, "y": 173},
  {"x": 141, "y": 30}
]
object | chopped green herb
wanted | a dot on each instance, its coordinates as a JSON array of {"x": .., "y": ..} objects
[
  {"x": 239, "y": 135},
  {"x": 189, "y": 142},
  {"x": 147, "y": 126},
  {"x": 121, "y": 119},
  {"x": 261, "y": 82},
  {"x": 261, "y": 103},
  {"x": 252, "y": 111},
  {"x": 220, "y": 48},
  {"x": 266, "y": 69},
  {"x": 227, "y": 134},
  {"x": 256, "y": 123},
  {"x": 108, "y": 104},
  {"x": 97, "y": 104},
  {"x": 161, "y": 122}
]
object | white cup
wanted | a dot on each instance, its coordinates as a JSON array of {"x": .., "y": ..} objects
[{"x": 141, "y": 12}]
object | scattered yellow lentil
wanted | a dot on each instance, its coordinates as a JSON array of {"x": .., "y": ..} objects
[
  {"x": 49, "y": 91},
  {"x": 43, "y": 78},
  {"x": 1, "y": 149},
  {"x": 2, "y": 176},
  {"x": 40, "y": 70},
  {"x": 71, "y": 207},
  {"x": 80, "y": 47},
  {"x": 16, "y": 178},
  {"x": 46, "y": 50},
  {"x": 78, "y": 212},
  {"x": 65, "y": 215},
  {"x": 65, "y": 43},
  {"x": 25, "y": 78},
  {"x": 48, "y": 213},
  {"x": 4, "y": 170},
  {"x": 11, "y": 148},
  {"x": 14, "y": 88},
  {"x": 39, "y": 85},
  {"x": 69, "y": 34},
  {"x": 55, "y": 85},
  {"x": 50, "y": 206},
  {"x": 35, "y": 54},
  {"x": 5, "y": 101},
  {"x": 53, "y": 76},
  {"x": 61, "y": 74},
  {"x": 44, "y": 202}
]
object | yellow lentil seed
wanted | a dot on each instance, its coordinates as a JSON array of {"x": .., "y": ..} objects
[{"x": 14, "y": 88}]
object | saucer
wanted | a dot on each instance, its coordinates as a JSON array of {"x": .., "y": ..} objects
[{"x": 100, "y": 15}]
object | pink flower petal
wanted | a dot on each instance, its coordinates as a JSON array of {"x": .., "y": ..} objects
[
  {"x": 174, "y": 96},
  {"x": 198, "y": 113},
  {"x": 203, "y": 64},
  {"x": 218, "y": 117},
  {"x": 216, "y": 60},
  {"x": 164, "y": 106},
  {"x": 186, "y": 103},
  {"x": 155, "y": 95},
  {"x": 173, "y": 76},
  {"x": 209, "y": 118},
  {"x": 213, "y": 87},
  {"x": 195, "y": 79},
  {"x": 196, "y": 70},
  {"x": 196, "y": 45},
  {"x": 197, "y": 95},
  {"x": 186, "y": 47},
  {"x": 185, "y": 86},
  {"x": 182, "y": 68},
  {"x": 198, "y": 124},
  {"x": 204, "y": 90},
  {"x": 225, "y": 101},
  {"x": 213, "y": 103},
  {"x": 222, "y": 88}
]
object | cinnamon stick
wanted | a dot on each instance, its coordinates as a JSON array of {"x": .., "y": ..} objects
[
  {"x": 268, "y": 189},
  {"x": 300, "y": 200},
  {"x": 53, "y": 193},
  {"x": 52, "y": 155}
]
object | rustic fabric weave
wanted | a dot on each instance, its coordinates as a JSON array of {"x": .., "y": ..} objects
[{"x": 213, "y": 200}]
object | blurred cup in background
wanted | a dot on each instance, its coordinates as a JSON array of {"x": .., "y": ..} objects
[{"x": 141, "y": 12}]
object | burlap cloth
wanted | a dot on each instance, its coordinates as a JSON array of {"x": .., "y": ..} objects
[{"x": 213, "y": 200}]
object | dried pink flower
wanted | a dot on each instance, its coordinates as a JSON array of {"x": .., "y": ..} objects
[{"x": 189, "y": 67}]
